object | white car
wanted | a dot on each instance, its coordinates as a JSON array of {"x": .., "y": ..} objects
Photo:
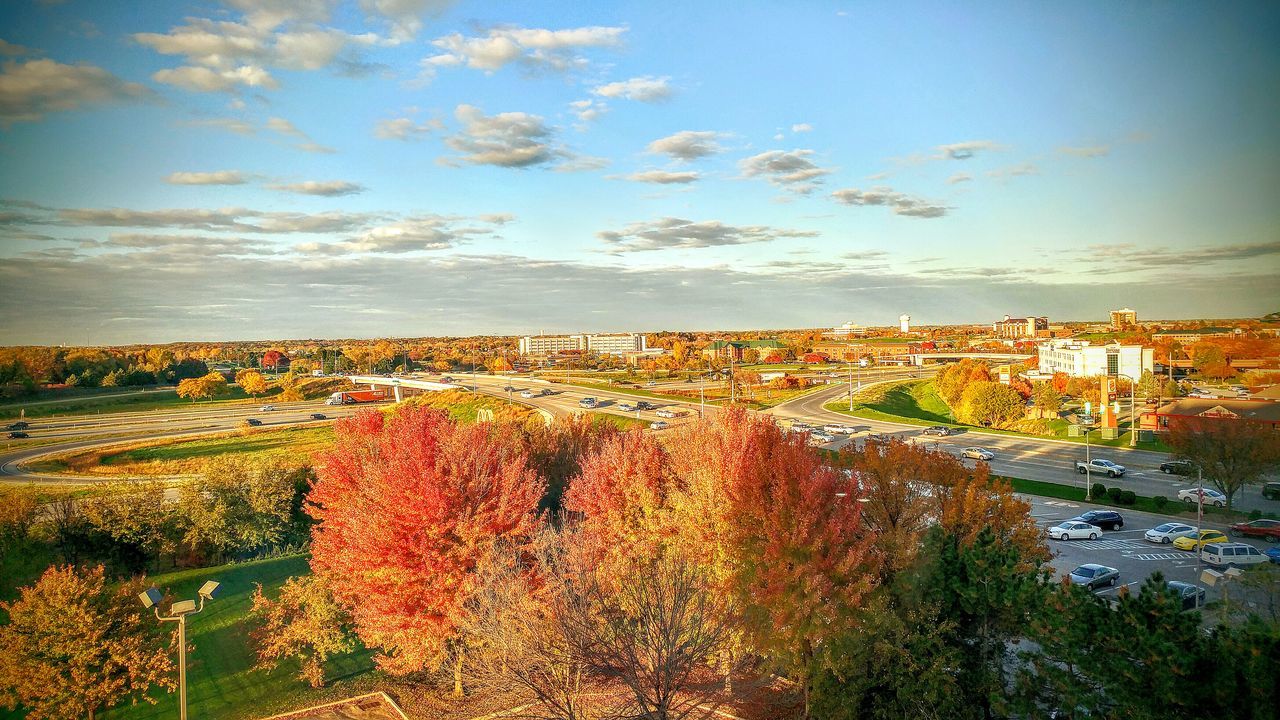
[
  {"x": 977, "y": 453},
  {"x": 1073, "y": 530},
  {"x": 626, "y": 407},
  {"x": 658, "y": 425},
  {"x": 839, "y": 429},
  {"x": 1168, "y": 532},
  {"x": 801, "y": 427},
  {"x": 820, "y": 438},
  {"x": 266, "y": 408},
  {"x": 1212, "y": 497},
  {"x": 665, "y": 413},
  {"x": 527, "y": 394}
]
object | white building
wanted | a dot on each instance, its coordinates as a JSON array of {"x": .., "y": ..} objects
[
  {"x": 849, "y": 329},
  {"x": 904, "y": 323},
  {"x": 1079, "y": 358},
  {"x": 606, "y": 344}
]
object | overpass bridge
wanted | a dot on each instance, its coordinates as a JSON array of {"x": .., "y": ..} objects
[
  {"x": 926, "y": 358},
  {"x": 398, "y": 384}
]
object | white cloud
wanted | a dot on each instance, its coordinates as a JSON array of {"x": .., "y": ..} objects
[
  {"x": 533, "y": 48},
  {"x": 221, "y": 177},
  {"x": 9, "y": 49},
  {"x": 326, "y": 188},
  {"x": 513, "y": 139},
  {"x": 29, "y": 90},
  {"x": 588, "y": 110},
  {"x": 668, "y": 233},
  {"x": 900, "y": 203},
  {"x": 268, "y": 14},
  {"x": 404, "y": 17},
  {"x": 967, "y": 149},
  {"x": 959, "y": 178},
  {"x": 403, "y": 128},
  {"x": 1012, "y": 171},
  {"x": 801, "y": 127},
  {"x": 239, "y": 127},
  {"x": 1092, "y": 151},
  {"x": 792, "y": 170},
  {"x": 413, "y": 234},
  {"x": 643, "y": 89},
  {"x": 687, "y": 145},
  {"x": 202, "y": 79},
  {"x": 664, "y": 177}
]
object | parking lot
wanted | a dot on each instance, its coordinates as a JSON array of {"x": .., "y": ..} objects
[{"x": 1124, "y": 549}]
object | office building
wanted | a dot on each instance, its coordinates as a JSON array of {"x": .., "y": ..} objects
[
  {"x": 1015, "y": 328},
  {"x": 847, "y": 330},
  {"x": 605, "y": 344},
  {"x": 1079, "y": 358},
  {"x": 1123, "y": 318},
  {"x": 1189, "y": 337}
]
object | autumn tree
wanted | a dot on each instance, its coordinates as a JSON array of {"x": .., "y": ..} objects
[
  {"x": 136, "y": 513},
  {"x": 1231, "y": 451},
  {"x": 271, "y": 359},
  {"x": 556, "y": 451},
  {"x": 305, "y": 623},
  {"x": 18, "y": 512},
  {"x": 1047, "y": 399},
  {"x": 206, "y": 386},
  {"x": 251, "y": 381},
  {"x": 409, "y": 508},
  {"x": 990, "y": 404},
  {"x": 240, "y": 505},
  {"x": 75, "y": 646},
  {"x": 779, "y": 530}
]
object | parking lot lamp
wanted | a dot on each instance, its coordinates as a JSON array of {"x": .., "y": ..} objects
[{"x": 178, "y": 613}]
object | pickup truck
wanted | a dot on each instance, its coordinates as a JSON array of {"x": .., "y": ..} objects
[{"x": 1100, "y": 466}]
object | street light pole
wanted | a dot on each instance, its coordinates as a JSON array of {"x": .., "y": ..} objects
[
  {"x": 178, "y": 613},
  {"x": 1199, "y": 526}
]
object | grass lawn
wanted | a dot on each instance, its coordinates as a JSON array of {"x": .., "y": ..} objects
[
  {"x": 618, "y": 421},
  {"x": 112, "y": 403},
  {"x": 1173, "y": 508},
  {"x": 764, "y": 398},
  {"x": 273, "y": 443},
  {"x": 221, "y": 681},
  {"x": 916, "y": 402}
]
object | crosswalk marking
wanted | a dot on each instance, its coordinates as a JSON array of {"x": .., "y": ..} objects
[
  {"x": 1107, "y": 544},
  {"x": 1156, "y": 556},
  {"x": 1060, "y": 504}
]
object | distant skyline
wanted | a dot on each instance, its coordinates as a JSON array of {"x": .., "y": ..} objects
[{"x": 261, "y": 169}]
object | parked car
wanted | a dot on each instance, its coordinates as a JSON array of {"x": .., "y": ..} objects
[
  {"x": 1105, "y": 519},
  {"x": 1232, "y": 554},
  {"x": 1273, "y": 554},
  {"x": 665, "y": 413},
  {"x": 587, "y": 402},
  {"x": 1178, "y": 467},
  {"x": 1199, "y": 540},
  {"x": 1073, "y": 530},
  {"x": 1192, "y": 596},
  {"x": 1271, "y": 490},
  {"x": 319, "y": 416},
  {"x": 658, "y": 425},
  {"x": 1094, "y": 576},
  {"x": 839, "y": 429},
  {"x": 253, "y": 422},
  {"x": 266, "y": 408},
  {"x": 977, "y": 453},
  {"x": 18, "y": 435},
  {"x": 1100, "y": 466},
  {"x": 937, "y": 430},
  {"x": 1212, "y": 497},
  {"x": 1168, "y": 532},
  {"x": 879, "y": 437},
  {"x": 20, "y": 425},
  {"x": 1266, "y": 529},
  {"x": 801, "y": 426}
]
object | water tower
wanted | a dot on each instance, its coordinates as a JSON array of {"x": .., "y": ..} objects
[{"x": 904, "y": 323}]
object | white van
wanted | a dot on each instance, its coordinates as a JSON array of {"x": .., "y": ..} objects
[{"x": 1231, "y": 554}]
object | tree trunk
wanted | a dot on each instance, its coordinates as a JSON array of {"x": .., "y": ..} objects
[{"x": 457, "y": 674}]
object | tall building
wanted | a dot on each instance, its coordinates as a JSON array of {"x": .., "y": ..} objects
[
  {"x": 1027, "y": 327},
  {"x": 849, "y": 329},
  {"x": 605, "y": 344},
  {"x": 1079, "y": 358},
  {"x": 1122, "y": 318},
  {"x": 904, "y": 323}
]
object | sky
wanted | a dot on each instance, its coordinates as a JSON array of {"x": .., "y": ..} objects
[{"x": 260, "y": 169}]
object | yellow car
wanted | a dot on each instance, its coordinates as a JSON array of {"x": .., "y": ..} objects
[{"x": 1199, "y": 540}]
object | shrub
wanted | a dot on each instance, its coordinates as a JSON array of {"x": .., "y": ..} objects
[
  {"x": 1128, "y": 497},
  {"x": 1255, "y": 514},
  {"x": 1159, "y": 501},
  {"x": 1097, "y": 491},
  {"x": 1114, "y": 494}
]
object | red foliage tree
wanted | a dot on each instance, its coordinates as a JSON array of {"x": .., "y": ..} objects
[
  {"x": 1060, "y": 382},
  {"x": 814, "y": 358},
  {"x": 773, "y": 358},
  {"x": 271, "y": 358},
  {"x": 408, "y": 509}
]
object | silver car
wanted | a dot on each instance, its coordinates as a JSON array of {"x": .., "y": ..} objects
[
  {"x": 977, "y": 453},
  {"x": 1094, "y": 576}
]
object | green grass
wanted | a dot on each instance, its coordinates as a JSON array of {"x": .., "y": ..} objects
[
  {"x": 775, "y": 397},
  {"x": 619, "y": 421},
  {"x": 221, "y": 681},
  {"x": 274, "y": 443},
  {"x": 1173, "y": 508},
  {"x": 108, "y": 403}
]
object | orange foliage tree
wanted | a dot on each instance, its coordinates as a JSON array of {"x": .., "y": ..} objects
[{"x": 408, "y": 508}]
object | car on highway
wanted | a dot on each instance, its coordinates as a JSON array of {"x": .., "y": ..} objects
[
  {"x": 254, "y": 422},
  {"x": 1268, "y": 530},
  {"x": 645, "y": 405},
  {"x": 1105, "y": 519},
  {"x": 1101, "y": 466},
  {"x": 1094, "y": 576},
  {"x": 18, "y": 435},
  {"x": 1168, "y": 532},
  {"x": 1271, "y": 490},
  {"x": 1073, "y": 530},
  {"x": 527, "y": 394},
  {"x": 266, "y": 408},
  {"x": 446, "y": 379},
  {"x": 319, "y": 416},
  {"x": 1178, "y": 467},
  {"x": 1210, "y": 496},
  {"x": 665, "y": 413},
  {"x": 1273, "y": 554},
  {"x": 1192, "y": 596},
  {"x": 939, "y": 430},
  {"x": 1232, "y": 554},
  {"x": 651, "y": 384},
  {"x": 626, "y": 407},
  {"x": 977, "y": 453},
  {"x": 508, "y": 388},
  {"x": 587, "y": 402},
  {"x": 658, "y": 425},
  {"x": 20, "y": 425},
  {"x": 879, "y": 437},
  {"x": 1200, "y": 539},
  {"x": 839, "y": 429}
]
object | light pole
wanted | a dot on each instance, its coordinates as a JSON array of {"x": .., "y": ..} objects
[
  {"x": 178, "y": 613},
  {"x": 1133, "y": 420},
  {"x": 1088, "y": 468}
]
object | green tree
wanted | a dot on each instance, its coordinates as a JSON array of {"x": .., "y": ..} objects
[
  {"x": 240, "y": 505},
  {"x": 305, "y": 623},
  {"x": 1232, "y": 452},
  {"x": 74, "y": 646},
  {"x": 990, "y": 404},
  {"x": 1047, "y": 399}
]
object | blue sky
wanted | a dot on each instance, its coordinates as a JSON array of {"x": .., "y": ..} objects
[{"x": 356, "y": 168}]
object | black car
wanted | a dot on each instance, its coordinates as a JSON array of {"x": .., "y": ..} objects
[
  {"x": 1178, "y": 467},
  {"x": 937, "y": 430},
  {"x": 645, "y": 405},
  {"x": 1192, "y": 596},
  {"x": 319, "y": 416},
  {"x": 20, "y": 425},
  {"x": 18, "y": 435},
  {"x": 1271, "y": 491},
  {"x": 1105, "y": 519},
  {"x": 253, "y": 421}
]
